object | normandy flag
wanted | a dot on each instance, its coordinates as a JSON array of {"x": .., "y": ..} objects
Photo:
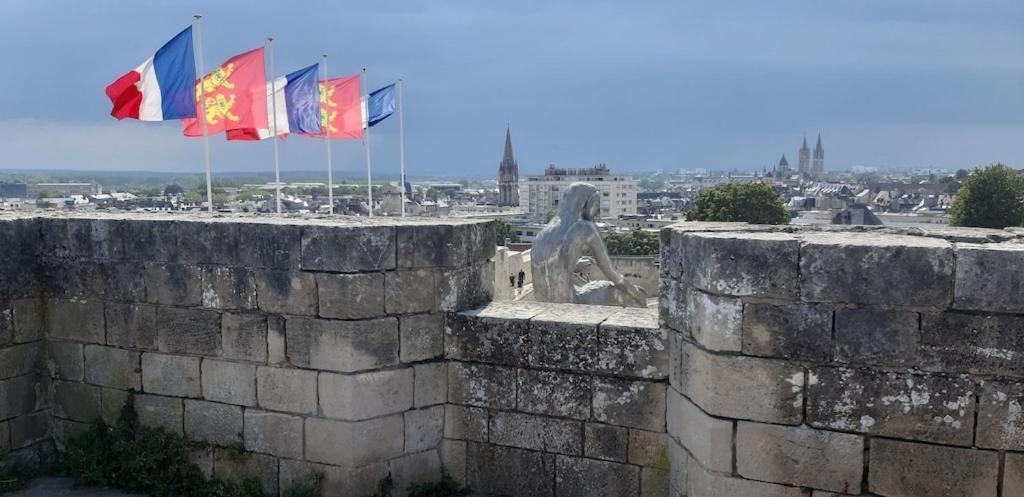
[
  {"x": 341, "y": 114},
  {"x": 296, "y": 99},
  {"x": 236, "y": 96}
]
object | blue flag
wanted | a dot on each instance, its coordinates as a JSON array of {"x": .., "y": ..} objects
[
  {"x": 302, "y": 99},
  {"x": 380, "y": 104}
]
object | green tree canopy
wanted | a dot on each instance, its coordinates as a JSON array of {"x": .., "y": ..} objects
[
  {"x": 755, "y": 203},
  {"x": 505, "y": 231},
  {"x": 991, "y": 197},
  {"x": 636, "y": 242}
]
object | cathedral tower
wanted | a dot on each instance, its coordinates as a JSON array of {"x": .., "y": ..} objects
[
  {"x": 805, "y": 159},
  {"x": 508, "y": 175},
  {"x": 818, "y": 167}
]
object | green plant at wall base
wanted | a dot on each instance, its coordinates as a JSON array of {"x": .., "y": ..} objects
[{"x": 446, "y": 487}]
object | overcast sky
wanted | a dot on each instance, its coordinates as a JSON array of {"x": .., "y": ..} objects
[{"x": 638, "y": 85}]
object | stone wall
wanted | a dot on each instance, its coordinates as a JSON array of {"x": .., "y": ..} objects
[{"x": 844, "y": 363}]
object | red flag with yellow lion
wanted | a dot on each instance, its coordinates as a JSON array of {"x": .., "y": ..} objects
[{"x": 236, "y": 96}]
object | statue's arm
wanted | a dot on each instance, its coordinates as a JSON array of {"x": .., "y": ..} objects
[{"x": 604, "y": 261}]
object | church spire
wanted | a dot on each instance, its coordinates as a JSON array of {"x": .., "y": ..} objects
[
  {"x": 818, "y": 148},
  {"x": 508, "y": 146}
]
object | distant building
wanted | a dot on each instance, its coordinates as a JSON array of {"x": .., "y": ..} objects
[
  {"x": 542, "y": 193},
  {"x": 782, "y": 170},
  {"x": 508, "y": 175},
  {"x": 818, "y": 166},
  {"x": 63, "y": 189},
  {"x": 804, "y": 166},
  {"x": 13, "y": 190}
]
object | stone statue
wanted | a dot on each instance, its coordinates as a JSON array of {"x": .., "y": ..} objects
[{"x": 570, "y": 242}]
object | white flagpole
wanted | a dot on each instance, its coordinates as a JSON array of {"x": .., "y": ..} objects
[
  {"x": 366, "y": 145},
  {"x": 401, "y": 145},
  {"x": 206, "y": 134},
  {"x": 327, "y": 138},
  {"x": 273, "y": 133}
]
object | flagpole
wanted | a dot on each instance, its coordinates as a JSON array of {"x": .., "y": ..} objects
[
  {"x": 327, "y": 139},
  {"x": 401, "y": 145},
  {"x": 273, "y": 134},
  {"x": 366, "y": 145},
  {"x": 206, "y": 134}
]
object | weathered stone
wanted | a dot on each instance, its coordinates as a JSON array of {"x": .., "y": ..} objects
[
  {"x": 367, "y": 395},
  {"x": 228, "y": 287},
  {"x": 873, "y": 336},
  {"x": 161, "y": 412},
  {"x": 202, "y": 457},
  {"x": 481, "y": 386},
  {"x": 273, "y": 433},
  {"x": 637, "y": 404},
  {"x": 983, "y": 344},
  {"x": 269, "y": 245},
  {"x": 715, "y": 322},
  {"x": 131, "y": 326},
  {"x": 846, "y": 267},
  {"x": 422, "y": 337},
  {"x": 110, "y": 367},
  {"x": 672, "y": 305},
  {"x": 653, "y": 482},
  {"x": 231, "y": 466},
  {"x": 411, "y": 291},
  {"x": 345, "y": 346},
  {"x": 640, "y": 349},
  {"x": 554, "y": 393},
  {"x": 188, "y": 331},
  {"x": 702, "y": 483},
  {"x": 286, "y": 292},
  {"x": 800, "y": 456},
  {"x": 465, "y": 423},
  {"x": 290, "y": 390},
  {"x": 30, "y": 429},
  {"x": 916, "y": 406},
  {"x": 122, "y": 281},
  {"x": 65, "y": 360},
  {"x": 607, "y": 442},
  {"x": 351, "y": 296},
  {"x": 173, "y": 284},
  {"x": 75, "y": 320},
  {"x": 6, "y": 327},
  {"x": 707, "y": 439},
  {"x": 742, "y": 387},
  {"x": 76, "y": 401},
  {"x": 333, "y": 480},
  {"x": 904, "y": 469},
  {"x": 989, "y": 277},
  {"x": 276, "y": 340},
  {"x": 21, "y": 359},
  {"x": 431, "y": 384},
  {"x": 566, "y": 337},
  {"x": 491, "y": 340},
  {"x": 537, "y": 433},
  {"x": 218, "y": 424},
  {"x": 648, "y": 448},
  {"x": 1013, "y": 475},
  {"x": 244, "y": 336},
  {"x": 465, "y": 287},
  {"x": 494, "y": 470},
  {"x": 416, "y": 469},
  {"x": 794, "y": 331},
  {"x": 424, "y": 429},
  {"x": 206, "y": 242},
  {"x": 21, "y": 395},
  {"x": 429, "y": 246},
  {"x": 348, "y": 250},
  {"x": 578, "y": 477},
  {"x": 176, "y": 376},
  {"x": 354, "y": 443},
  {"x": 29, "y": 323},
  {"x": 453, "y": 460},
  {"x": 112, "y": 401},
  {"x": 229, "y": 382},
  {"x": 742, "y": 264},
  {"x": 1000, "y": 424}
]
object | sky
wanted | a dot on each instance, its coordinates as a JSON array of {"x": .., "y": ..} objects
[{"x": 640, "y": 86}]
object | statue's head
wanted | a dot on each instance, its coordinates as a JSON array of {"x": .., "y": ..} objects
[{"x": 580, "y": 201}]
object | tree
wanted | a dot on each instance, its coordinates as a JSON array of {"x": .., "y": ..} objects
[
  {"x": 173, "y": 190},
  {"x": 504, "y": 231},
  {"x": 636, "y": 242},
  {"x": 991, "y": 197},
  {"x": 755, "y": 203}
]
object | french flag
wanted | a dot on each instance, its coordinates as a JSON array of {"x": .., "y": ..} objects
[
  {"x": 296, "y": 98},
  {"x": 162, "y": 88}
]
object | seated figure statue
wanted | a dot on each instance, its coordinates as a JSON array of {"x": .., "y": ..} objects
[{"x": 571, "y": 241}]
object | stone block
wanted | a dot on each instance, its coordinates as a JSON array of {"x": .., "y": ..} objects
[
  {"x": 416, "y": 469},
  {"x": 564, "y": 345},
  {"x": 578, "y": 477},
  {"x": 844, "y": 267},
  {"x": 990, "y": 277},
  {"x": 276, "y": 340},
  {"x": 217, "y": 424},
  {"x": 930, "y": 408},
  {"x": 152, "y": 239},
  {"x": 481, "y": 386},
  {"x": 742, "y": 387},
  {"x": 228, "y": 287},
  {"x": 114, "y": 368},
  {"x": 742, "y": 264},
  {"x": 877, "y": 337},
  {"x": 131, "y": 326},
  {"x": 464, "y": 288},
  {"x": 465, "y": 423},
  {"x": 229, "y": 382},
  {"x": 172, "y": 375},
  {"x": 792, "y": 331},
  {"x": 422, "y": 337},
  {"x": 161, "y": 412},
  {"x": 273, "y": 433},
  {"x": 554, "y": 393},
  {"x": 27, "y": 318},
  {"x": 76, "y": 401},
  {"x": 208, "y": 242},
  {"x": 955, "y": 342},
  {"x": 639, "y": 351},
  {"x": 707, "y": 439},
  {"x": 188, "y": 331},
  {"x": 1000, "y": 424},
  {"x": 636, "y": 404},
  {"x": 485, "y": 339},
  {"x": 244, "y": 336},
  {"x": 800, "y": 456},
  {"x": 334, "y": 480},
  {"x": 431, "y": 384},
  {"x": 269, "y": 245},
  {"x": 17, "y": 360},
  {"x": 430, "y": 245},
  {"x": 6, "y": 327},
  {"x": 344, "y": 346},
  {"x": 351, "y": 296},
  {"x": 607, "y": 442},
  {"x": 545, "y": 434},
  {"x": 173, "y": 284},
  {"x": 672, "y": 305},
  {"x": 654, "y": 482},
  {"x": 648, "y": 448},
  {"x": 411, "y": 291},
  {"x": 74, "y": 320},
  {"x": 715, "y": 321},
  {"x": 905, "y": 469},
  {"x": 496, "y": 470},
  {"x": 290, "y": 390},
  {"x": 1013, "y": 475},
  {"x": 30, "y": 429},
  {"x": 286, "y": 292},
  {"x": 366, "y": 395},
  {"x": 679, "y": 468},
  {"x": 231, "y": 466},
  {"x": 22, "y": 395},
  {"x": 202, "y": 457},
  {"x": 112, "y": 401},
  {"x": 424, "y": 429},
  {"x": 354, "y": 443},
  {"x": 702, "y": 483},
  {"x": 348, "y": 250},
  {"x": 453, "y": 460},
  {"x": 122, "y": 281}
]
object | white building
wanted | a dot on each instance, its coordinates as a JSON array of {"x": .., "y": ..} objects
[{"x": 539, "y": 194}]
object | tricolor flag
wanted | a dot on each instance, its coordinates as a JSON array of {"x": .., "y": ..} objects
[
  {"x": 160, "y": 89},
  {"x": 340, "y": 109},
  {"x": 297, "y": 102},
  {"x": 380, "y": 104},
  {"x": 236, "y": 96}
]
